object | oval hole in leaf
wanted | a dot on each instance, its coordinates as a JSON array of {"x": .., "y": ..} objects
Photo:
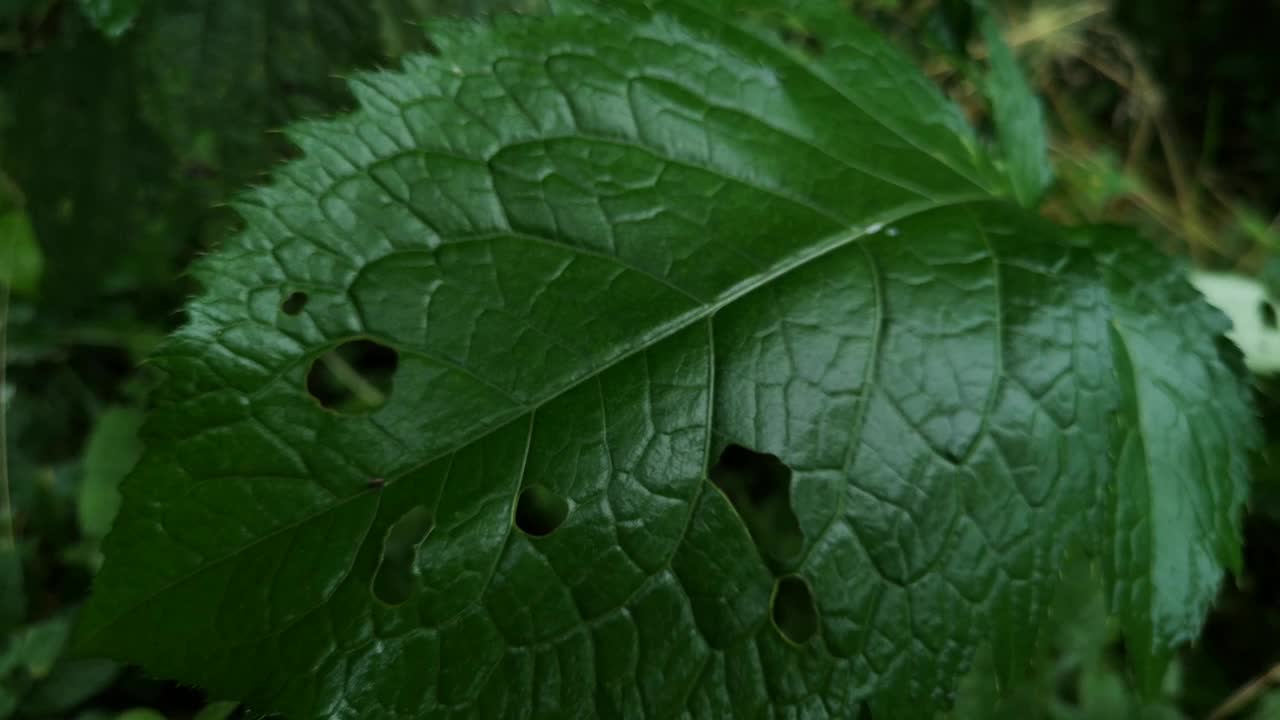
[
  {"x": 802, "y": 39},
  {"x": 539, "y": 511},
  {"x": 294, "y": 304},
  {"x": 393, "y": 580},
  {"x": 759, "y": 486},
  {"x": 1268, "y": 313},
  {"x": 354, "y": 378},
  {"x": 793, "y": 609},
  {"x": 1231, "y": 355}
]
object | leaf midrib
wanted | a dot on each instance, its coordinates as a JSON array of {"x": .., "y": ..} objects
[
  {"x": 705, "y": 310},
  {"x": 832, "y": 243}
]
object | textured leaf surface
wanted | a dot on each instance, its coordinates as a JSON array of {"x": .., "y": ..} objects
[
  {"x": 611, "y": 252},
  {"x": 1178, "y": 460}
]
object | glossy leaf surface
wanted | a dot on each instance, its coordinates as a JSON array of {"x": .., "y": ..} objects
[{"x": 611, "y": 250}]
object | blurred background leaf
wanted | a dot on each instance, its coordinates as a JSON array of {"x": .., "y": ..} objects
[
  {"x": 112, "y": 449},
  {"x": 112, "y": 17},
  {"x": 1018, "y": 118}
]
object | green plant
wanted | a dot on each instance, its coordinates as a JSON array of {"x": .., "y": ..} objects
[
  {"x": 622, "y": 270},
  {"x": 112, "y": 180}
]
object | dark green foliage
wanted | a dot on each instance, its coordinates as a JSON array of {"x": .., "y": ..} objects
[
  {"x": 115, "y": 164},
  {"x": 596, "y": 282},
  {"x": 604, "y": 364}
]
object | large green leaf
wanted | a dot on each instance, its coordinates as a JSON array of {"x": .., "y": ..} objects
[{"x": 619, "y": 253}]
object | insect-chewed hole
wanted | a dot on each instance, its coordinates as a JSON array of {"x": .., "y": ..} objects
[
  {"x": 393, "y": 580},
  {"x": 802, "y": 39},
  {"x": 539, "y": 511},
  {"x": 294, "y": 304},
  {"x": 1230, "y": 355},
  {"x": 794, "y": 612},
  {"x": 759, "y": 486},
  {"x": 355, "y": 377},
  {"x": 1267, "y": 312}
]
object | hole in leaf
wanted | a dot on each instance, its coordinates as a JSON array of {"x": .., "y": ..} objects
[
  {"x": 759, "y": 486},
  {"x": 393, "y": 580},
  {"x": 1230, "y": 355},
  {"x": 1268, "y": 313},
  {"x": 794, "y": 612},
  {"x": 353, "y": 378},
  {"x": 293, "y": 304},
  {"x": 802, "y": 39},
  {"x": 539, "y": 511}
]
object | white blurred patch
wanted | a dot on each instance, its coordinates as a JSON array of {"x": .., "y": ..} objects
[{"x": 1253, "y": 312}]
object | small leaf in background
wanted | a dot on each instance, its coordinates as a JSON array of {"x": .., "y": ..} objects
[
  {"x": 44, "y": 683},
  {"x": 21, "y": 261},
  {"x": 112, "y": 17},
  {"x": 112, "y": 450},
  {"x": 34, "y": 649},
  {"x": 1019, "y": 119},
  {"x": 71, "y": 682}
]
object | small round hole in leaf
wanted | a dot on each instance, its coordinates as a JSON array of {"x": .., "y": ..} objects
[
  {"x": 393, "y": 580},
  {"x": 539, "y": 511},
  {"x": 356, "y": 377},
  {"x": 294, "y": 304},
  {"x": 794, "y": 612}
]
